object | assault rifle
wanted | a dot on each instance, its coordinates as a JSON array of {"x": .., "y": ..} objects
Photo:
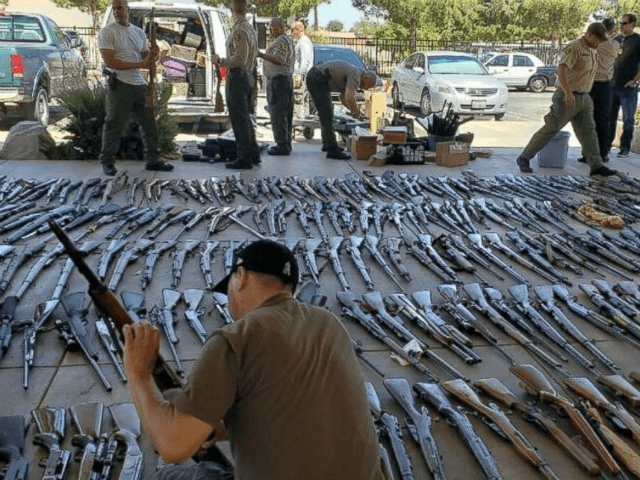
[
  {"x": 106, "y": 301},
  {"x": 12, "y": 433},
  {"x": 192, "y": 297},
  {"x": 127, "y": 432},
  {"x": 51, "y": 425},
  {"x": 431, "y": 393},
  {"x": 179, "y": 256},
  {"x": 7, "y": 317},
  {"x": 388, "y": 425},
  {"x": 419, "y": 425},
  {"x": 41, "y": 315}
]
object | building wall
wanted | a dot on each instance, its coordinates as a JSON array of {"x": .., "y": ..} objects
[{"x": 64, "y": 17}]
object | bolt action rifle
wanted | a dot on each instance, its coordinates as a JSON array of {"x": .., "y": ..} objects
[
  {"x": 12, "y": 432},
  {"x": 106, "y": 301},
  {"x": 150, "y": 99}
]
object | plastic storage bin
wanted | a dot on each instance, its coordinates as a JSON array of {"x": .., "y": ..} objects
[{"x": 554, "y": 154}]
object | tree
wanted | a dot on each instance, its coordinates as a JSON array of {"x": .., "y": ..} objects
[
  {"x": 4, "y": 3},
  {"x": 335, "y": 26},
  {"x": 277, "y": 8},
  {"x": 95, "y": 7}
]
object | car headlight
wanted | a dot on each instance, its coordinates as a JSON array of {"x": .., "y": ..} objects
[{"x": 443, "y": 88}]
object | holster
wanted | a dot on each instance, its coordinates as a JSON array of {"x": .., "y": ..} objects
[{"x": 111, "y": 78}]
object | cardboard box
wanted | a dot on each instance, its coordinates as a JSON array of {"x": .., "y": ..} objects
[
  {"x": 363, "y": 146},
  {"x": 375, "y": 108},
  {"x": 395, "y": 135},
  {"x": 452, "y": 154},
  {"x": 378, "y": 160}
]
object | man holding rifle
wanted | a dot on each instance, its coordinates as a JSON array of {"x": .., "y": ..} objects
[
  {"x": 124, "y": 50},
  {"x": 282, "y": 380}
]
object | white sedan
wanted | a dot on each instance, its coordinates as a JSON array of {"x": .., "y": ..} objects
[
  {"x": 522, "y": 70},
  {"x": 429, "y": 79}
]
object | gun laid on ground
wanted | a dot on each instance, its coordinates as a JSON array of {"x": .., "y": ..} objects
[
  {"x": 392, "y": 249},
  {"x": 12, "y": 433},
  {"x": 433, "y": 394},
  {"x": 498, "y": 421},
  {"x": 205, "y": 262},
  {"x": 334, "y": 246},
  {"x": 480, "y": 303},
  {"x": 353, "y": 249},
  {"x": 152, "y": 260},
  {"x": 179, "y": 257},
  {"x": 538, "y": 385},
  {"x": 419, "y": 425},
  {"x": 352, "y": 309},
  {"x": 30, "y": 332},
  {"x": 87, "y": 420},
  {"x": 126, "y": 257},
  {"x": 498, "y": 391},
  {"x": 193, "y": 297},
  {"x": 371, "y": 244},
  {"x": 16, "y": 262},
  {"x": 128, "y": 430},
  {"x": 388, "y": 425},
  {"x": 476, "y": 242},
  {"x": 51, "y": 425},
  {"x": 7, "y": 317},
  {"x": 73, "y": 331}
]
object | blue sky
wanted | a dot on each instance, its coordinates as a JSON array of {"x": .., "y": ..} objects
[{"x": 342, "y": 10}]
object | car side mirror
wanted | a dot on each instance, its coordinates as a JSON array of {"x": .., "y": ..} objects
[
  {"x": 74, "y": 42},
  {"x": 418, "y": 70},
  {"x": 372, "y": 68}
]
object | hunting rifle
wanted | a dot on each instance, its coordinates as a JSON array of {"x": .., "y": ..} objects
[
  {"x": 150, "y": 100},
  {"x": 109, "y": 305}
]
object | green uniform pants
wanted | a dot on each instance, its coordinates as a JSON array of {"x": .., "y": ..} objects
[{"x": 581, "y": 118}]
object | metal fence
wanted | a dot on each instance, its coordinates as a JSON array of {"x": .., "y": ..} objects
[
  {"x": 89, "y": 36},
  {"x": 387, "y": 53}
]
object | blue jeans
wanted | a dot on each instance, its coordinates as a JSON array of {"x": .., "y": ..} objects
[
  {"x": 627, "y": 98},
  {"x": 196, "y": 471}
]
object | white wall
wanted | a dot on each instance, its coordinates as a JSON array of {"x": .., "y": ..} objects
[{"x": 64, "y": 17}]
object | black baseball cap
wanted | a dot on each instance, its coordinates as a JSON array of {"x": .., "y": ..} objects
[{"x": 264, "y": 256}]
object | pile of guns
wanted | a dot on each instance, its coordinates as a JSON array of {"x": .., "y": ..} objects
[
  {"x": 98, "y": 451},
  {"x": 463, "y": 232}
]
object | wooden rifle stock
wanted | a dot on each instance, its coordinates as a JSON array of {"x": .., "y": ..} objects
[
  {"x": 150, "y": 100},
  {"x": 219, "y": 106},
  {"x": 164, "y": 375}
]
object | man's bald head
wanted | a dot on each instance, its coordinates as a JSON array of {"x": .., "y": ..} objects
[{"x": 121, "y": 11}]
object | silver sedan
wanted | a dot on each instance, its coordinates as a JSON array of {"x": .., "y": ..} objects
[{"x": 429, "y": 79}]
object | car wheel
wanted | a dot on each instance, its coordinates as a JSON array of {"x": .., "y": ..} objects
[
  {"x": 499, "y": 117},
  {"x": 38, "y": 110},
  {"x": 395, "y": 95},
  {"x": 538, "y": 84},
  {"x": 425, "y": 103}
]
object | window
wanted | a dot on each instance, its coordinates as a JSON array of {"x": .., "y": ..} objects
[
  {"x": 456, "y": 65},
  {"x": 21, "y": 28},
  {"x": 420, "y": 61},
  {"x": 499, "y": 61},
  {"x": 411, "y": 61},
  {"x": 522, "y": 61}
]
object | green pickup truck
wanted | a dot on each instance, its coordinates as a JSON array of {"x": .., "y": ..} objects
[{"x": 37, "y": 62}]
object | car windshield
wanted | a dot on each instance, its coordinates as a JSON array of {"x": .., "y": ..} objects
[
  {"x": 20, "y": 28},
  {"x": 455, "y": 65},
  {"x": 344, "y": 54}
]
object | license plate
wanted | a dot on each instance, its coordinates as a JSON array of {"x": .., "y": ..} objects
[{"x": 478, "y": 104}]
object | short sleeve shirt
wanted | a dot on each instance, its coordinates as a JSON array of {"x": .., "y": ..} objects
[
  {"x": 342, "y": 75},
  {"x": 626, "y": 66},
  {"x": 242, "y": 46},
  {"x": 607, "y": 53},
  {"x": 286, "y": 381},
  {"x": 128, "y": 44},
  {"x": 282, "y": 47},
  {"x": 582, "y": 63}
]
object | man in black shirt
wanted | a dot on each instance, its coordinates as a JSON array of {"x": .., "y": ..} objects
[{"x": 625, "y": 83}]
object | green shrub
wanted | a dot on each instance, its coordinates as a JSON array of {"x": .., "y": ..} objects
[{"x": 86, "y": 106}]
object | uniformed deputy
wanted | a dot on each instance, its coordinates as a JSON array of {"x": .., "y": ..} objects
[
  {"x": 572, "y": 103},
  {"x": 342, "y": 77},
  {"x": 278, "y": 68},
  {"x": 242, "y": 48}
]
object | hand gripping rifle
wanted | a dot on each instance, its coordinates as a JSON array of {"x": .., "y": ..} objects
[
  {"x": 106, "y": 301},
  {"x": 12, "y": 431},
  {"x": 150, "y": 99}
]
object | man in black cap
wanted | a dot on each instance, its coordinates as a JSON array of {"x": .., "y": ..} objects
[{"x": 282, "y": 380}]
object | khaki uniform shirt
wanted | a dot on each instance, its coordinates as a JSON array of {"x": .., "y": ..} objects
[
  {"x": 607, "y": 53},
  {"x": 342, "y": 75},
  {"x": 242, "y": 46},
  {"x": 282, "y": 47},
  {"x": 582, "y": 62},
  {"x": 287, "y": 383}
]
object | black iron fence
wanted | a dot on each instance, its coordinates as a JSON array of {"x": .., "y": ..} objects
[{"x": 387, "y": 53}]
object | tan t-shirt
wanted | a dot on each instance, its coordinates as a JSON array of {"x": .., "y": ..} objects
[
  {"x": 582, "y": 63},
  {"x": 286, "y": 381},
  {"x": 607, "y": 53}
]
